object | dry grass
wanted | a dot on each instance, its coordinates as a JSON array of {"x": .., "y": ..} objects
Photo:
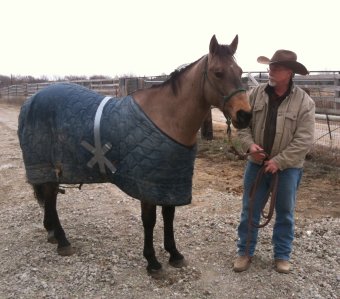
[
  {"x": 322, "y": 161},
  {"x": 325, "y": 155}
]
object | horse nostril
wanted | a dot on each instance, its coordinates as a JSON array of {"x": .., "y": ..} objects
[{"x": 243, "y": 118}]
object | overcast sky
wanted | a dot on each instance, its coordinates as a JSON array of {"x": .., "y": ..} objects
[{"x": 153, "y": 37}]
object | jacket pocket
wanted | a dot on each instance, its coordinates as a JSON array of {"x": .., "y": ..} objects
[
  {"x": 290, "y": 120},
  {"x": 258, "y": 107},
  {"x": 286, "y": 128},
  {"x": 257, "y": 111},
  {"x": 258, "y": 122}
]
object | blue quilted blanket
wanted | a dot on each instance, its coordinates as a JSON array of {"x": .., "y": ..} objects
[{"x": 56, "y": 134}]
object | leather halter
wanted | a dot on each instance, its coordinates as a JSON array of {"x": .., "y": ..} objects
[{"x": 225, "y": 98}]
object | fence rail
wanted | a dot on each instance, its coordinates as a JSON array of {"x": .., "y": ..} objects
[
  {"x": 324, "y": 89},
  {"x": 110, "y": 87}
]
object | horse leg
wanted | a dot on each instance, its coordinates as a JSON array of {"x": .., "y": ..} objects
[
  {"x": 176, "y": 258},
  {"x": 149, "y": 221},
  {"x": 46, "y": 195}
]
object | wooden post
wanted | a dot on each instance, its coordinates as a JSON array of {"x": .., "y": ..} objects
[
  {"x": 337, "y": 84},
  {"x": 122, "y": 87},
  {"x": 337, "y": 91}
]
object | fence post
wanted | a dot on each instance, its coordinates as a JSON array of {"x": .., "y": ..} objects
[
  {"x": 122, "y": 86},
  {"x": 131, "y": 85},
  {"x": 337, "y": 90},
  {"x": 329, "y": 127},
  {"x": 337, "y": 84}
]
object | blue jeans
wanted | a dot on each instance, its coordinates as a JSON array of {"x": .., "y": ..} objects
[{"x": 283, "y": 232}]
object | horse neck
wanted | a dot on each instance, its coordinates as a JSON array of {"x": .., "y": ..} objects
[{"x": 179, "y": 116}]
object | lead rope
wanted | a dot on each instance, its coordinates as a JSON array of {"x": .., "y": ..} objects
[
  {"x": 228, "y": 122},
  {"x": 272, "y": 193}
]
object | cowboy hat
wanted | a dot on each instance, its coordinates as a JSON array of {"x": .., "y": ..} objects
[{"x": 285, "y": 58}]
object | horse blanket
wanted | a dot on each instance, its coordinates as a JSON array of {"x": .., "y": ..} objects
[{"x": 57, "y": 133}]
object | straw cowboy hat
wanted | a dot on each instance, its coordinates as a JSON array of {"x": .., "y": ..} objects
[{"x": 285, "y": 58}]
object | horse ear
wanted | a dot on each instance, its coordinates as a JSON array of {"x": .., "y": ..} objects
[
  {"x": 213, "y": 45},
  {"x": 233, "y": 45}
]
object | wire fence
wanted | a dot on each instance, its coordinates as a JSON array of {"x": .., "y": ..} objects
[{"x": 327, "y": 132}]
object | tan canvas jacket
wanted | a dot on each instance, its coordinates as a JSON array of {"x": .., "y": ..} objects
[{"x": 295, "y": 126}]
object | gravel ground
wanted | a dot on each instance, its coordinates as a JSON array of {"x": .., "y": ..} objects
[{"x": 105, "y": 228}]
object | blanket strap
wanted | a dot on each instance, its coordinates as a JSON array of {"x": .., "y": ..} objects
[{"x": 98, "y": 150}]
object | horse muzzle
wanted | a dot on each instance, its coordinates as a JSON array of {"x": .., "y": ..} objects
[{"x": 242, "y": 119}]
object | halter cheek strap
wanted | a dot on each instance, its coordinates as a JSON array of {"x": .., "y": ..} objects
[{"x": 225, "y": 98}]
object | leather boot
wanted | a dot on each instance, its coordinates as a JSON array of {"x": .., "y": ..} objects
[
  {"x": 282, "y": 266},
  {"x": 242, "y": 263}
]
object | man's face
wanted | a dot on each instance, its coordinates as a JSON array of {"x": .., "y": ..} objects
[{"x": 279, "y": 75}]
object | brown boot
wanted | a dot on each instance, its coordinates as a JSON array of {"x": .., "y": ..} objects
[
  {"x": 282, "y": 266},
  {"x": 242, "y": 263}
]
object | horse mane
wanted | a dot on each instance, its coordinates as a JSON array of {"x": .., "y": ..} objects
[{"x": 174, "y": 78}]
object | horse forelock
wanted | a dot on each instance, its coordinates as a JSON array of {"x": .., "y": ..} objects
[{"x": 224, "y": 50}]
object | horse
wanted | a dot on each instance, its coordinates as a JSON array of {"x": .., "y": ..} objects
[{"x": 144, "y": 143}]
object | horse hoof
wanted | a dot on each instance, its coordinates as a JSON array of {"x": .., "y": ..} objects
[
  {"x": 157, "y": 274},
  {"x": 66, "y": 251},
  {"x": 178, "y": 263},
  {"x": 51, "y": 238}
]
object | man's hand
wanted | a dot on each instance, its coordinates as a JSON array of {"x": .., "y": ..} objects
[
  {"x": 257, "y": 152},
  {"x": 271, "y": 166}
]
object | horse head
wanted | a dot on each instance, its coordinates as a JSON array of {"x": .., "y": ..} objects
[{"x": 222, "y": 83}]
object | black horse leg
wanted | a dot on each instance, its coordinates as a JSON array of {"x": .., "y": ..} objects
[
  {"x": 149, "y": 221},
  {"x": 47, "y": 197},
  {"x": 176, "y": 258}
]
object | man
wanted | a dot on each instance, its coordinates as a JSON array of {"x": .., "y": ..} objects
[{"x": 279, "y": 136}]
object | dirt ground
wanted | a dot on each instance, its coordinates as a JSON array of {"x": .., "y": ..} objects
[{"x": 218, "y": 173}]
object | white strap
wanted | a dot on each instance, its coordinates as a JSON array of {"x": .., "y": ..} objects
[{"x": 98, "y": 150}]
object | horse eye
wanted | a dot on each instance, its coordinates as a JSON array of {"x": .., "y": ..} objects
[{"x": 219, "y": 75}]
